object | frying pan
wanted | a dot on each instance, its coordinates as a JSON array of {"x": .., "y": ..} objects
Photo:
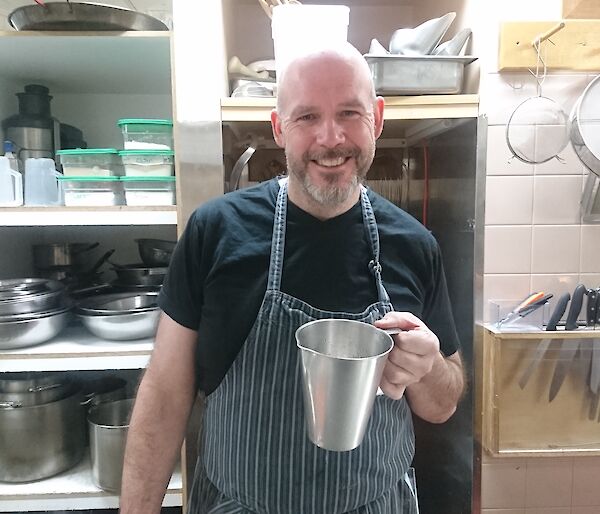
[
  {"x": 585, "y": 126},
  {"x": 81, "y": 16}
]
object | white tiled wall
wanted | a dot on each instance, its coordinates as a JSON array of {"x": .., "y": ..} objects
[{"x": 534, "y": 241}]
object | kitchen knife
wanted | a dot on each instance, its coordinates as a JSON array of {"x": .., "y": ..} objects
[
  {"x": 522, "y": 306},
  {"x": 569, "y": 346},
  {"x": 557, "y": 313},
  {"x": 592, "y": 307}
]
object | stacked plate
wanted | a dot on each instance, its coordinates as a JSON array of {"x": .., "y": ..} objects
[
  {"x": 120, "y": 316},
  {"x": 32, "y": 311}
]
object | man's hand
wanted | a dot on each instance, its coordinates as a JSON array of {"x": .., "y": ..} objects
[{"x": 413, "y": 355}]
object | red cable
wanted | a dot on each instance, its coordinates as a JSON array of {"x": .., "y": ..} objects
[{"x": 426, "y": 183}]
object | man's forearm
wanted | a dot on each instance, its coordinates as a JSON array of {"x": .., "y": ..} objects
[
  {"x": 435, "y": 397},
  {"x": 154, "y": 441},
  {"x": 159, "y": 420}
]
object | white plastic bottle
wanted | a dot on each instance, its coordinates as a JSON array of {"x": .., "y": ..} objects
[
  {"x": 11, "y": 185},
  {"x": 9, "y": 153}
]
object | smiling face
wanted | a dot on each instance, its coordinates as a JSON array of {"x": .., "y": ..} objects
[{"x": 327, "y": 119}]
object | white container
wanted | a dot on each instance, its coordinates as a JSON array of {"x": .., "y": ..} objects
[
  {"x": 11, "y": 185},
  {"x": 92, "y": 191},
  {"x": 149, "y": 190},
  {"x": 41, "y": 184},
  {"x": 146, "y": 134},
  {"x": 90, "y": 162},
  {"x": 298, "y": 28},
  {"x": 147, "y": 163}
]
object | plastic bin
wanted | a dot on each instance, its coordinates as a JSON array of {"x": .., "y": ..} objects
[
  {"x": 92, "y": 191},
  {"x": 148, "y": 163},
  {"x": 328, "y": 25},
  {"x": 88, "y": 162},
  {"x": 149, "y": 190},
  {"x": 143, "y": 134}
]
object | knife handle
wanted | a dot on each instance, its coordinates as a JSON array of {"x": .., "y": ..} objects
[
  {"x": 575, "y": 309},
  {"x": 559, "y": 310},
  {"x": 592, "y": 307}
]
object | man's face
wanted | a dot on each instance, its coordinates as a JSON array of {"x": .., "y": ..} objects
[{"x": 328, "y": 127}]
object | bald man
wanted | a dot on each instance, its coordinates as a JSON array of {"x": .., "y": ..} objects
[{"x": 253, "y": 266}]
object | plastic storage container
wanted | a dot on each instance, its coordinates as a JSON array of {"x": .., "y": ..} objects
[
  {"x": 97, "y": 162},
  {"x": 417, "y": 75},
  {"x": 328, "y": 26},
  {"x": 147, "y": 163},
  {"x": 92, "y": 191},
  {"x": 149, "y": 190},
  {"x": 143, "y": 134}
]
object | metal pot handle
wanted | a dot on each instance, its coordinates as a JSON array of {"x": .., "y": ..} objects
[
  {"x": 40, "y": 388},
  {"x": 87, "y": 248},
  {"x": 10, "y": 405}
]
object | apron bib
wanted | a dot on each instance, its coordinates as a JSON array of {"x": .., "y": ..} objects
[{"x": 255, "y": 455}]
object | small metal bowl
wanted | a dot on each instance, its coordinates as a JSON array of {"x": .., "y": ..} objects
[
  {"x": 122, "y": 327},
  {"x": 28, "y": 332},
  {"x": 118, "y": 303},
  {"x": 155, "y": 252}
]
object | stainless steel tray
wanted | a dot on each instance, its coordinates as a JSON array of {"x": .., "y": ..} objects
[
  {"x": 81, "y": 16},
  {"x": 418, "y": 75}
]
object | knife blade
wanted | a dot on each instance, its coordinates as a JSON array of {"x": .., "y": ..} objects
[
  {"x": 557, "y": 313},
  {"x": 595, "y": 367},
  {"x": 569, "y": 346}
]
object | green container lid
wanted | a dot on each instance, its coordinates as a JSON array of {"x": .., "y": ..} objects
[
  {"x": 147, "y": 152},
  {"x": 87, "y": 151},
  {"x": 91, "y": 178},
  {"x": 147, "y": 179},
  {"x": 141, "y": 121}
]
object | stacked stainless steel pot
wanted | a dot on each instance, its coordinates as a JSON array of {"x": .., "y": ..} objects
[
  {"x": 42, "y": 426},
  {"x": 120, "y": 316},
  {"x": 32, "y": 311}
]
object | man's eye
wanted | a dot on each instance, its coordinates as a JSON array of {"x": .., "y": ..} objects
[
  {"x": 350, "y": 114},
  {"x": 306, "y": 117}
]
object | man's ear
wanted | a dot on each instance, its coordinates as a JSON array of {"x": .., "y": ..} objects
[
  {"x": 378, "y": 108},
  {"x": 276, "y": 127}
]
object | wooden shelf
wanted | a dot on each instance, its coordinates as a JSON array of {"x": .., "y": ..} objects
[
  {"x": 114, "y": 215},
  {"x": 71, "y": 490},
  {"x": 396, "y": 107},
  {"x": 77, "y": 349},
  {"x": 133, "y": 62}
]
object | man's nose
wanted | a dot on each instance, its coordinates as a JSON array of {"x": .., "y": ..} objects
[{"x": 330, "y": 133}]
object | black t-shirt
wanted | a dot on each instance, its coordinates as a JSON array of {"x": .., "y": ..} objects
[{"x": 218, "y": 273}]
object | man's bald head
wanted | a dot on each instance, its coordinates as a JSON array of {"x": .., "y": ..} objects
[{"x": 296, "y": 70}]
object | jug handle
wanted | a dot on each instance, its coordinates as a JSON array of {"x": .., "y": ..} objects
[{"x": 18, "y": 179}]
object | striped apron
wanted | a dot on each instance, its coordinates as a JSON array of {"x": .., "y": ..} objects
[{"x": 256, "y": 457}]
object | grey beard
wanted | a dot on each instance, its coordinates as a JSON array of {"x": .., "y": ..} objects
[{"x": 330, "y": 195}]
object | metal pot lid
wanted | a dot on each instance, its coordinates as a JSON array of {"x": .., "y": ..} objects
[
  {"x": 52, "y": 288},
  {"x": 16, "y": 287}
]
